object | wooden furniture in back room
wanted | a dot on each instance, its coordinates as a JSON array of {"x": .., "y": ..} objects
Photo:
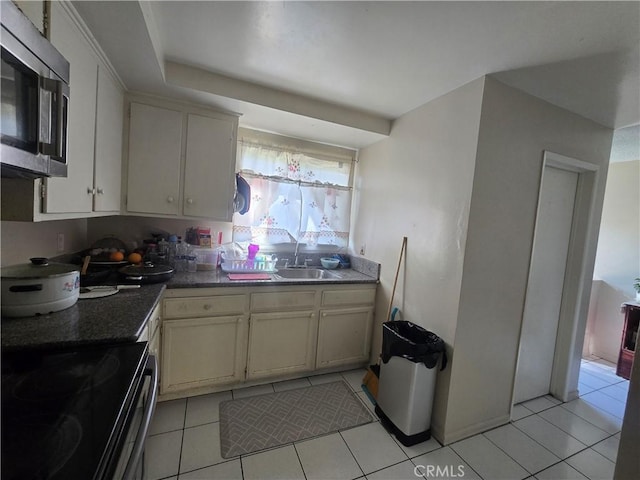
[{"x": 631, "y": 312}]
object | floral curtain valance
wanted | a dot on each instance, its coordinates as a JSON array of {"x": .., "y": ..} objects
[
  {"x": 271, "y": 162},
  {"x": 294, "y": 197}
]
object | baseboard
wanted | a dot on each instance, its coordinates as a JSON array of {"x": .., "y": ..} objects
[
  {"x": 572, "y": 395},
  {"x": 461, "y": 434},
  {"x": 205, "y": 390},
  {"x": 605, "y": 356},
  {"x": 436, "y": 432}
]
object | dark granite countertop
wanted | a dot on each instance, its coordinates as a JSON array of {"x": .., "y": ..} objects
[
  {"x": 218, "y": 278},
  {"x": 118, "y": 318}
]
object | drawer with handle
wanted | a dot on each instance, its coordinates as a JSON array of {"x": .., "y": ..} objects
[{"x": 204, "y": 306}]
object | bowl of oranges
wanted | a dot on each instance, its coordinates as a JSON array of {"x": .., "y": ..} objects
[
  {"x": 121, "y": 257},
  {"x": 108, "y": 251}
]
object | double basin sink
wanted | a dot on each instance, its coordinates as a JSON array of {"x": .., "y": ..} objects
[{"x": 305, "y": 273}]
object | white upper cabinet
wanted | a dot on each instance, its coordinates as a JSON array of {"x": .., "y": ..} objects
[
  {"x": 94, "y": 144},
  {"x": 209, "y": 168},
  {"x": 180, "y": 162},
  {"x": 153, "y": 180},
  {"x": 74, "y": 194},
  {"x": 34, "y": 11},
  {"x": 108, "y": 153}
]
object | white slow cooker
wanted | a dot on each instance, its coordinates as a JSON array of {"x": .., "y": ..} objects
[{"x": 38, "y": 288}]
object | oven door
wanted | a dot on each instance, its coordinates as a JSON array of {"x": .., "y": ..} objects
[{"x": 130, "y": 463}]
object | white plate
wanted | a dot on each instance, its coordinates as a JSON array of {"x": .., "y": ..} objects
[{"x": 102, "y": 292}]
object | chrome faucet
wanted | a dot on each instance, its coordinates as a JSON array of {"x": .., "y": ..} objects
[
  {"x": 295, "y": 254},
  {"x": 296, "y": 263}
]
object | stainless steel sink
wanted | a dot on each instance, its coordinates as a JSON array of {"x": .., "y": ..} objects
[{"x": 305, "y": 273}]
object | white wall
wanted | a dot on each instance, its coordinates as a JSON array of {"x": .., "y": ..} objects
[
  {"x": 617, "y": 259},
  {"x": 460, "y": 178},
  {"x": 627, "y": 464},
  {"x": 515, "y": 129},
  {"x": 133, "y": 230},
  {"x": 23, "y": 240},
  {"x": 417, "y": 183}
]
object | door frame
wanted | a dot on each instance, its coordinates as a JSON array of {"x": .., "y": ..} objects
[{"x": 576, "y": 289}]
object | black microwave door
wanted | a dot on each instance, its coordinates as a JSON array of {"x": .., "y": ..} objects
[{"x": 20, "y": 104}]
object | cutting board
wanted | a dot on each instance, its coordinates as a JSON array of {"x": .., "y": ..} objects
[{"x": 249, "y": 276}]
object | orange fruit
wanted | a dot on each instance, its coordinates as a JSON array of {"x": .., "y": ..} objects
[
  {"x": 116, "y": 256},
  {"x": 134, "y": 258}
]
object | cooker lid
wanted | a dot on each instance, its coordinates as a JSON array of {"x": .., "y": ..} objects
[
  {"x": 147, "y": 269},
  {"x": 38, "y": 268}
]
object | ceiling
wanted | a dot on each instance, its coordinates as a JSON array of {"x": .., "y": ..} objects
[{"x": 340, "y": 72}]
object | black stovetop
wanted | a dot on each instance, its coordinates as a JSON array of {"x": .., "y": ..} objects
[{"x": 61, "y": 410}]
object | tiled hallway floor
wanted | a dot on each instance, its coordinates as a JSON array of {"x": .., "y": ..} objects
[{"x": 545, "y": 440}]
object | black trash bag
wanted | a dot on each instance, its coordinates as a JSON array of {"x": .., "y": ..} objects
[{"x": 404, "y": 339}]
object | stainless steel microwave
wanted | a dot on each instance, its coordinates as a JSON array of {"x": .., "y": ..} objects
[{"x": 35, "y": 100}]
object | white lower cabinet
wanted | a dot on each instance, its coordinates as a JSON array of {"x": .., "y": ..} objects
[
  {"x": 344, "y": 336},
  {"x": 218, "y": 338},
  {"x": 345, "y": 322},
  {"x": 204, "y": 339},
  {"x": 281, "y": 343},
  {"x": 200, "y": 352}
]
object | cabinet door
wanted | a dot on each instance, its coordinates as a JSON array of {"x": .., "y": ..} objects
[
  {"x": 74, "y": 194},
  {"x": 154, "y": 343},
  {"x": 209, "y": 168},
  {"x": 202, "y": 352},
  {"x": 34, "y": 11},
  {"x": 108, "y": 156},
  {"x": 153, "y": 326},
  {"x": 155, "y": 146},
  {"x": 281, "y": 343},
  {"x": 344, "y": 336}
]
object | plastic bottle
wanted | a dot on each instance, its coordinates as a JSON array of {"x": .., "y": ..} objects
[
  {"x": 252, "y": 250},
  {"x": 192, "y": 263},
  {"x": 163, "y": 252},
  {"x": 251, "y": 255},
  {"x": 173, "y": 242},
  {"x": 181, "y": 256},
  {"x": 152, "y": 253}
]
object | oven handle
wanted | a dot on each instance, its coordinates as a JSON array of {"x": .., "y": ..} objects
[{"x": 138, "y": 447}]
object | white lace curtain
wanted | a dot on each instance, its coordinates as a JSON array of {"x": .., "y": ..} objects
[{"x": 294, "y": 197}]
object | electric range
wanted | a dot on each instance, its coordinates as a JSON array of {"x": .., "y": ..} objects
[{"x": 68, "y": 414}]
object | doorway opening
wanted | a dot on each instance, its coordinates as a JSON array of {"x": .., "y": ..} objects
[{"x": 555, "y": 310}]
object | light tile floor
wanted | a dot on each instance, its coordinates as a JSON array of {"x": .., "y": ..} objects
[{"x": 546, "y": 439}]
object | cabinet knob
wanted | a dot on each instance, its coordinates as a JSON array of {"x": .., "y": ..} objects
[
  {"x": 91, "y": 191},
  {"x": 100, "y": 191},
  {"x": 170, "y": 199},
  {"x": 190, "y": 201},
  {"x": 207, "y": 306}
]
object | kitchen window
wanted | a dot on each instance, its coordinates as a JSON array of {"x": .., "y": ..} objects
[{"x": 300, "y": 192}]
